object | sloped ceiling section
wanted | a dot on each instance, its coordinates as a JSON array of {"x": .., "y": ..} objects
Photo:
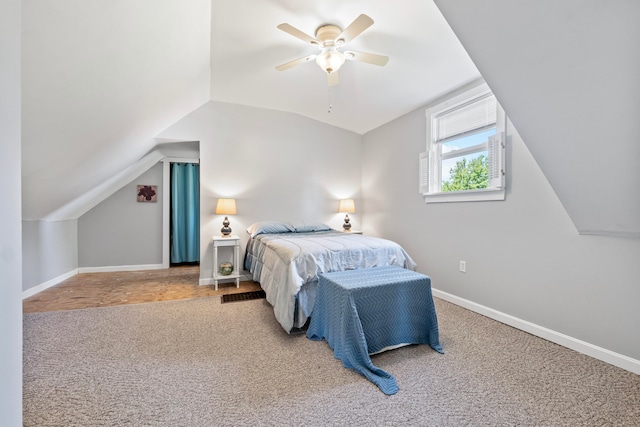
[
  {"x": 566, "y": 73},
  {"x": 100, "y": 80}
]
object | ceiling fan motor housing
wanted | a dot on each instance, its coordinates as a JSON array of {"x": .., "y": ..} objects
[{"x": 329, "y": 33}]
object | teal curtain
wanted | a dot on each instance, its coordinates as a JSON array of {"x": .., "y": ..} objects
[{"x": 185, "y": 213}]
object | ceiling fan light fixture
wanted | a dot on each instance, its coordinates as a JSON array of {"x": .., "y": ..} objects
[
  {"x": 328, "y": 39},
  {"x": 330, "y": 60}
]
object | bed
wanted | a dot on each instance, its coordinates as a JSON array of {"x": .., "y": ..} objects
[{"x": 286, "y": 259}]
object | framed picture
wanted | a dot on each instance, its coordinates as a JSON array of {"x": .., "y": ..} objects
[{"x": 147, "y": 193}]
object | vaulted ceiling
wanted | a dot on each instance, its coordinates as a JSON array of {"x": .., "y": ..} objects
[{"x": 102, "y": 78}]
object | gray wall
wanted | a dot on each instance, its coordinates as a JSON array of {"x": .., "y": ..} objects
[
  {"x": 570, "y": 105},
  {"x": 121, "y": 231},
  {"x": 524, "y": 256},
  {"x": 278, "y": 166},
  {"x": 10, "y": 216},
  {"x": 50, "y": 250}
]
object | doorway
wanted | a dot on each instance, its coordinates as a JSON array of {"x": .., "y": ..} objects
[{"x": 184, "y": 218}]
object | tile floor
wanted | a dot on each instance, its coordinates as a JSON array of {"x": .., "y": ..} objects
[{"x": 105, "y": 289}]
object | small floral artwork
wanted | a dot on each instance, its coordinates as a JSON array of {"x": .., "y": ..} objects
[{"x": 148, "y": 193}]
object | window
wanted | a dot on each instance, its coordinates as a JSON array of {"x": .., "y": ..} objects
[{"x": 464, "y": 160}]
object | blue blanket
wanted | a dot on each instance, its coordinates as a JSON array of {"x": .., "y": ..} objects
[{"x": 360, "y": 312}]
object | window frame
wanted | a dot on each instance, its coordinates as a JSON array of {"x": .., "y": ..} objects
[{"x": 431, "y": 160}]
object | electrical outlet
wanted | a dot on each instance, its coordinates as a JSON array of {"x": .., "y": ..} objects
[{"x": 463, "y": 266}]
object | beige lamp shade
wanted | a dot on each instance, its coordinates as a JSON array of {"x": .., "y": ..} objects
[
  {"x": 346, "y": 206},
  {"x": 226, "y": 207}
]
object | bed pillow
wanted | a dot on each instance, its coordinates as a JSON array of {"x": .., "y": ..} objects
[
  {"x": 309, "y": 227},
  {"x": 269, "y": 227}
]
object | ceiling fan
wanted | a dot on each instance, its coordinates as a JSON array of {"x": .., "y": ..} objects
[{"x": 330, "y": 39}]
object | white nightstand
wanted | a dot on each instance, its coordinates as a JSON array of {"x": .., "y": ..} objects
[
  {"x": 352, "y": 232},
  {"x": 232, "y": 241}
]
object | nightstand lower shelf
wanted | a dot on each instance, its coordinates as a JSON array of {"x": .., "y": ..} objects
[
  {"x": 218, "y": 277},
  {"x": 232, "y": 242}
]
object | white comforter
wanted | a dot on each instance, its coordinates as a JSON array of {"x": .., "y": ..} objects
[{"x": 284, "y": 263}]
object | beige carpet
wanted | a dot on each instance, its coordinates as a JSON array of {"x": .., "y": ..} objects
[{"x": 201, "y": 363}]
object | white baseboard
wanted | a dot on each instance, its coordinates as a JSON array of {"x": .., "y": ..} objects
[
  {"x": 607, "y": 356},
  {"x": 49, "y": 283},
  {"x": 116, "y": 268},
  {"x": 206, "y": 281}
]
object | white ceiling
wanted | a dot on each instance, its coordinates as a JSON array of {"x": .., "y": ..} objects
[
  {"x": 425, "y": 59},
  {"x": 102, "y": 78}
]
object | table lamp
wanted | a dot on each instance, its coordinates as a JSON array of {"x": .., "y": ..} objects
[
  {"x": 226, "y": 207},
  {"x": 347, "y": 206}
]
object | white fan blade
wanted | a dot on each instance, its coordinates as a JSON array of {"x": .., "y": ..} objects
[
  {"x": 298, "y": 34},
  {"x": 333, "y": 78},
  {"x": 295, "y": 62},
  {"x": 369, "y": 58},
  {"x": 354, "y": 29}
]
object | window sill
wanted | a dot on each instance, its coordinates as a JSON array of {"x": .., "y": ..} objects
[{"x": 465, "y": 196}]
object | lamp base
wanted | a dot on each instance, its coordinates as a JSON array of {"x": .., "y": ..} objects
[
  {"x": 225, "y": 230},
  {"x": 347, "y": 225}
]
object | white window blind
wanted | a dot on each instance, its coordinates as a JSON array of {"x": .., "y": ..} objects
[{"x": 471, "y": 117}]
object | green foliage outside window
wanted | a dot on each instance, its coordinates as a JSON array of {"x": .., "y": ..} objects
[{"x": 468, "y": 175}]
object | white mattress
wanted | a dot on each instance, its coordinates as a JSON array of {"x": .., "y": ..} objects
[{"x": 287, "y": 266}]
